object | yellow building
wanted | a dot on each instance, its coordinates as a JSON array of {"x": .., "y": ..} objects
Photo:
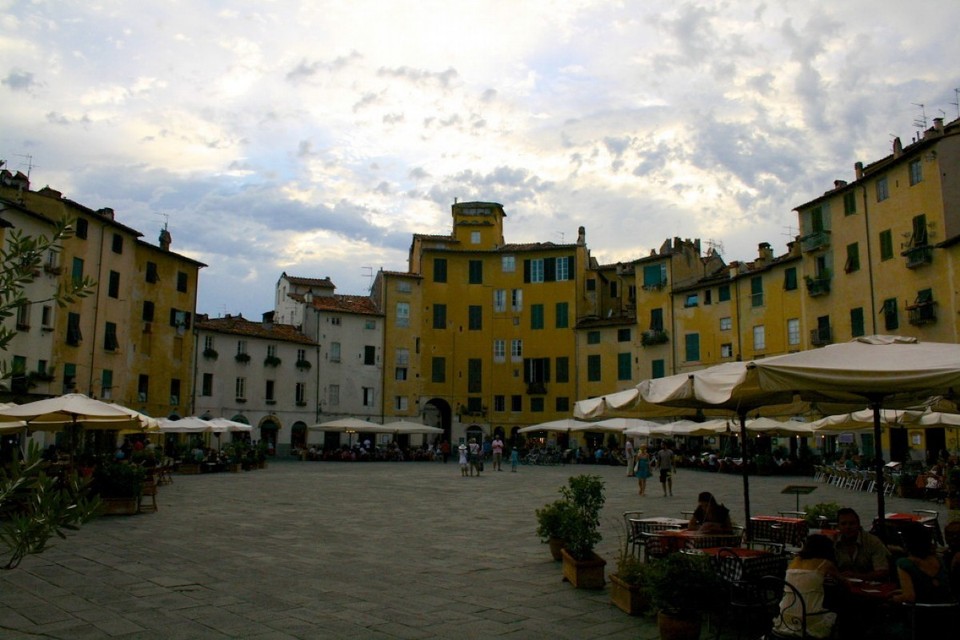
[{"x": 129, "y": 340}]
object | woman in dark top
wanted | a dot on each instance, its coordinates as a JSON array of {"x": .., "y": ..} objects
[
  {"x": 923, "y": 577},
  {"x": 710, "y": 517}
]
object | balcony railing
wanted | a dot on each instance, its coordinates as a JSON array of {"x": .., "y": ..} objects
[
  {"x": 918, "y": 256},
  {"x": 654, "y": 286},
  {"x": 653, "y": 337},
  {"x": 818, "y": 286},
  {"x": 922, "y": 313},
  {"x": 821, "y": 336},
  {"x": 815, "y": 240}
]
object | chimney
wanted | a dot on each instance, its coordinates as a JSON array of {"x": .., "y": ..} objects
[
  {"x": 165, "y": 239},
  {"x": 268, "y": 320},
  {"x": 839, "y": 183},
  {"x": 858, "y": 169},
  {"x": 106, "y": 212},
  {"x": 897, "y": 147},
  {"x": 581, "y": 236},
  {"x": 764, "y": 252},
  {"x": 938, "y": 125}
]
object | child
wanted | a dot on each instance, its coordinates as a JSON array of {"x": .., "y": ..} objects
[
  {"x": 463, "y": 459},
  {"x": 514, "y": 459}
]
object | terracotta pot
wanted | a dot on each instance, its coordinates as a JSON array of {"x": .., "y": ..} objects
[
  {"x": 117, "y": 507},
  {"x": 556, "y": 546},
  {"x": 672, "y": 628},
  {"x": 629, "y": 598},
  {"x": 584, "y": 574}
]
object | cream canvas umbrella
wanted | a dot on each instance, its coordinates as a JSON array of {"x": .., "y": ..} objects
[
  {"x": 223, "y": 424},
  {"x": 52, "y": 414},
  {"x": 351, "y": 426},
  {"x": 407, "y": 427},
  {"x": 191, "y": 424},
  {"x": 879, "y": 369},
  {"x": 565, "y": 424}
]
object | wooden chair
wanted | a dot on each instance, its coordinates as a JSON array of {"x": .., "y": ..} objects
[{"x": 149, "y": 491}]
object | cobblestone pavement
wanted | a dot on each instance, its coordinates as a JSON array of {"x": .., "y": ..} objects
[{"x": 352, "y": 550}]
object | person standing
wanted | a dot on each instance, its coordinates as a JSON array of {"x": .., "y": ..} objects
[
  {"x": 642, "y": 470},
  {"x": 514, "y": 459},
  {"x": 462, "y": 449},
  {"x": 497, "y": 447},
  {"x": 629, "y": 455},
  {"x": 664, "y": 459},
  {"x": 475, "y": 456}
]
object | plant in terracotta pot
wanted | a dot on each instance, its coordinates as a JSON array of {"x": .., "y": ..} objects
[
  {"x": 580, "y": 531},
  {"x": 627, "y": 582},
  {"x": 550, "y": 525},
  {"x": 119, "y": 486},
  {"x": 682, "y": 587}
]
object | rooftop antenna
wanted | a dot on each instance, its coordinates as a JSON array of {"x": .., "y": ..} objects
[
  {"x": 166, "y": 219},
  {"x": 716, "y": 245},
  {"x": 791, "y": 232},
  {"x": 921, "y": 121},
  {"x": 956, "y": 101},
  {"x": 562, "y": 236},
  {"x": 30, "y": 164},
  {"x": 368, "y": 274}
]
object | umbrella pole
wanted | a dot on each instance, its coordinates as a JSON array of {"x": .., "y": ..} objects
[
  {"x": 746, "y": 475},
  {"x": 878, "y": 467}
]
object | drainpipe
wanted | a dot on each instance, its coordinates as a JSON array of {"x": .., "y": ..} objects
[
  {"x": 96, "y": 311},
  {"x": 873, "y": 292}
]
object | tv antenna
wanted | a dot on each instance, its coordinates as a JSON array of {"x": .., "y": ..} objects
[
  {"x": 716, "y": 245},
  {"x": 921, "y": 121},
  {"x": 956, "y": 101},
  {"x": 791, "y": 232},
  {"x": 562, "y": 236},
  {"x": 166, "y": 220},
  {"x": 368, "y": 274},
  {"x": 30, "y": 164}
]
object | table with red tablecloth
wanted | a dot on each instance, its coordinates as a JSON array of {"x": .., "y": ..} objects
[
  {"x": 749, "y": 564},
  {"x": 791, "y": 531},
  {"x": 930, "y": 520},
  {"x": 674, "y": 540}
]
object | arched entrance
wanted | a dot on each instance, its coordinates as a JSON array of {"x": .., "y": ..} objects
[
  {"x": 269, "y": 434},
  {"x": 298, "y": 435},
  {"x": 437, "y": 412},
  {"x": 475, "y": 432}
]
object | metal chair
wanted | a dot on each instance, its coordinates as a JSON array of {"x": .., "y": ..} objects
[
  {"x": 633, "y": 529},
  {"x": 928, "y": 620},
  {"x": 789, "y": 610}
]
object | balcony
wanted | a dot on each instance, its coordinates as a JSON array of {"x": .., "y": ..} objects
[
  {"x": 653, "y": 337},
  {"x": 918, "y": 256},
  {"x": 816, "y": 240},
  {"x": 818, "y": 285},
  {"x": 821, "y": 336},
  {"x": 922, "y": 313},
  {"x": 654, "y": 286}
]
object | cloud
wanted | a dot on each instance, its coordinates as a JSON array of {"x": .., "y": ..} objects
[{"x": 18, "y": 80}]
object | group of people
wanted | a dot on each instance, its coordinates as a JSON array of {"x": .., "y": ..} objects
[
  {"x": 824, "y": 571},
  {"x": 471, "y": 456},
  {"x": 644, "y": 464}
]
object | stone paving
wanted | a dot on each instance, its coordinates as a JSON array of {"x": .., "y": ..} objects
[{"x": 352, "y": 550}]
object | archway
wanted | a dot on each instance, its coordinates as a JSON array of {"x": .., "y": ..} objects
[
  {"x": 437, "y": 412},
  {"x": 269, "y": 434},
  {"x": 298, "y": 435}
]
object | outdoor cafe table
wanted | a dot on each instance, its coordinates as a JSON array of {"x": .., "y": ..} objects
[
  {"x": 675, "y": 540},
  {"x": 648, "y": 525},
  {"x": 791, "y": 531},
  {"x": 753, "y": 565},
  {"x": 931, "y": 520}
]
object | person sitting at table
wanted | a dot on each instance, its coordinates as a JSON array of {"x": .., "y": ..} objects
[
  {"x": 923, "y": 577},
  {"x": 860, "y": 554},
  {"x": 951, "y": 555},
  {"x": 710, "y": 517},
  {"x": 814, "y": 563}
]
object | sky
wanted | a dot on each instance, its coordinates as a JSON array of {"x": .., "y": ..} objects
[{"x": 316, "y": 137}]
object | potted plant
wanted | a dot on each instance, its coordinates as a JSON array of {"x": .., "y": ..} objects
[
  {"x": 271, "y": 361},
  {"x": 303, "y": 365},
  {"x": 580, "y": 531},
  {"x": 626, "y": 583},
  {"x": 821, "y": 514},
  {"x": 119, "y": 486},
  {"x": 681, "y": 587},
  {"x": 549, "y": 526},
  {"x": 242, "y": 358},
  {"x": 210, "y": 353}
]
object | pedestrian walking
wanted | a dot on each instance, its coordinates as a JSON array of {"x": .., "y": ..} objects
[
  {"x": 462, "y": 449},
  {"x": 664, "y": 460},
  {"x": 629, "y": 455},
  {"x": 641, "y": 469},
  {"x": 497, "y": 447},
  {"x": 514, "y": 459}
]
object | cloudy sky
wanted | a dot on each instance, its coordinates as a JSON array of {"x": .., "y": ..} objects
[{"x": 315, "y": 137}]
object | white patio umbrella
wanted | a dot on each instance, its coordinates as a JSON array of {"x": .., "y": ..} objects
[
  {"x": 351, "y": 426},
  {"x": 771, "y": 427},
  {"x": 565, "y": 424},
  {"x": 223, "y": 424},
  {"x": 191, "y": 424},
  {"x": 690, "y": 428},
  {"x": 53, "y": 414},
  {"x": 407, "y": 427},
  {"x": 630, "y": 426},
  {"x": 877, "y": 369}
]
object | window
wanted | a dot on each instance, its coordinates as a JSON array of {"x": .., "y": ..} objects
[
  {"x": 143, "y": 386},
  {"x": 536, "y": 316},
  {"x": 400, "y": 374},
  {"x": 402, "y": 357},
  {"x": 613, "y": 289},
  {"x": 692, "y": 347},
  {"x": 403, "y": 314},
  {"x": 113, "y": 285},
  {"x": 439, "y": 269},
  {"x": 624, "y": 368},
  {"x": 269, "y": 391},
  {"x": 793, "y": 332},
  {"x": 516, "y": 350},
  {"x": 508, "y": 264},
  {"x": 81, "y": 225},
  {"x": 726, "y": 324},
  {"x": 271, "y": 351},
  {"x": 474, "y": 375},
  {"x": 499, "y": 350},
  {"x": 208, "y": 342},
  {"x": 300, "y": 394},
  {"x": 439, "y": 316},
  {"x": 654, "y": 276},
  {"x": 853, "y": 258},
  {"x": 723, "y": 293},
  {"x": 623, "y": 335},
  {"x": 563, "y": 369},
  {"x": 916, "y": 172},
  {"x": 536, "y": 370},
  {"x": 499, "y": 300},
  {"x": 516, "y": 403},
  {"x": 368, "y": 396},
  {"x": 174, "y": 392},
  {"x": 106, "y": 384},
  {"x": 886, "y": 244},
  {"x": 658, "y": 368},
  {"x": 46, "y": 316},
  {"x": 77, "y": 270},
  {"x": 69, "y": 377},
  {"x": 476, "y": 272},
  {"x": 536, "y": 404},
  {"x": 691, "y": 300},
  {"x": 593, "y": 337},
  {"x": 849, "y": 203},
  {"x": 759, "y": 338},
  {"x": 883, "y": 191},
  {"x": 400, "y": 403},
  {"x": 241, "y": 346},
  {"x": 591, "y": 284},
  {"x": 563, "y": 268},
  {"x": 708, "y": 296},
  {"x": 499, "y": 404},
  {"x": 726, "y": 350},
  {"x": 110, "y": 342},
  {"x": 179, "y": 319},
  {"x": 536, "y": 270},
  {"x": 23, "y": 316},
  {"x": 335, "y": 321},
  {"x": 890, "y": 320},
  {"x": 475, "y": 317},
  {"x": 333, "y": 395},
  {"x": 240, "y": 388},
  {"x": 919, "y": 237},
  {"x": 206, "y": 387},
  {"x": 563, "y": 404},
  {"x": 334, "y": 352},
  {"x": 438, "y": 369},
  {"x": 181, "y": 282},
  {"x": 856, "y": 322},
  {"x": 790, "y": 279},
  {"x": 563, "y": 315},
  {"x": 152, "y": 275},
  {"x": 474, "y": 237},
  {"x": 656, "y": 319},
  {"x": 117, "y": 245},
  {"x": 404, "y": 286},
  {"x": 756, "y": 291},
  {"x": 73, "y": 329},
  {"x": 516, "y": 300},
  {"x": 369, "y": 355},
  {"x": 593, "y": 368}
]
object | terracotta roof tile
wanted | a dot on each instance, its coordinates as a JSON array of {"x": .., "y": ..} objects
[
  {"x": 346, "y": 304},
  {"x": 312, "y": 282},
  {"x": 240, "y": 326}
]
